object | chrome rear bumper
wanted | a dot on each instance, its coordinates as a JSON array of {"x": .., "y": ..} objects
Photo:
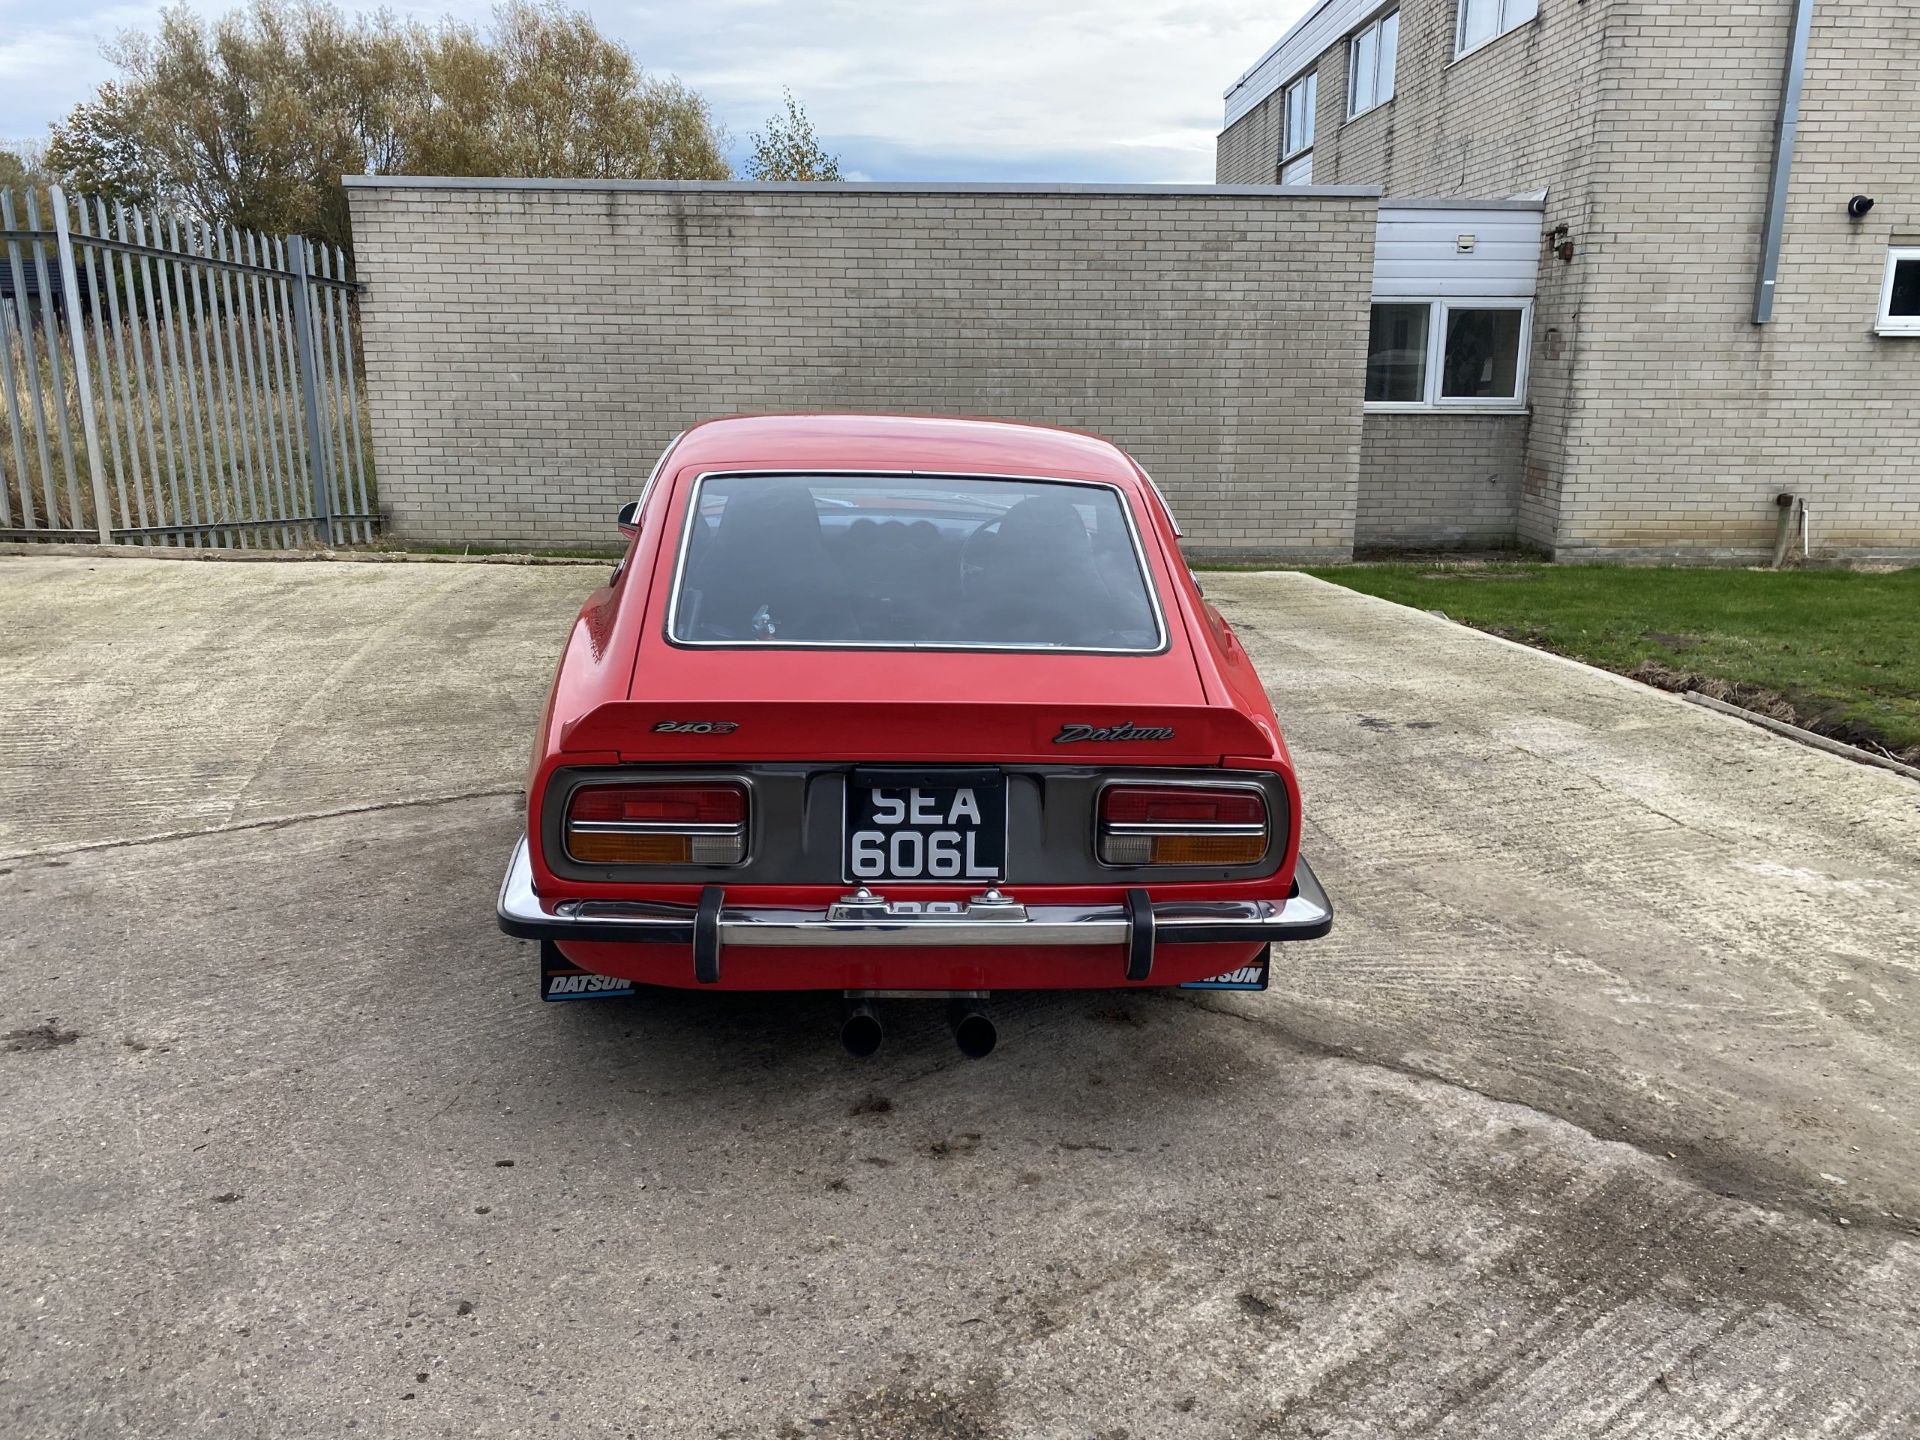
[{"x": 714, "y": 924}]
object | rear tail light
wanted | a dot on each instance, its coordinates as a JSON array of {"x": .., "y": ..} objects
[
  {"x": 1182, "y": 825},
  {"x": 672, "y": 823}
]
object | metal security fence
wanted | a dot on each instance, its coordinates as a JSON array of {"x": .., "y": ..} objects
[{"x": 165, "y": 381}]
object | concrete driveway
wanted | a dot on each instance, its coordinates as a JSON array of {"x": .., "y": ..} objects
[{"x": 1595, "y": 1116}]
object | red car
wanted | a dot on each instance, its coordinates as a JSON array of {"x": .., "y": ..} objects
[{"x": 905, "y": 707}]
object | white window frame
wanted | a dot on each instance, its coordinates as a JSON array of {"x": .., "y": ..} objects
[
  {"x": 1888, "y": 323},
  {"x": 1376, "y": 28},
  {"x": 1309, "y": 78},
  {"x": 1502, "y": 26},
  {"x": 1432, "y": 402}
]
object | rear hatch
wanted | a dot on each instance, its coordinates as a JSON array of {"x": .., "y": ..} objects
[{"x": 1037, "y": 717}]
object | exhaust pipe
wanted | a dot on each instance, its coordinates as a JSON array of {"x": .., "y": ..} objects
[
  {"x": 973, "y": 1029},
  {"x": 861, "y": 1031}
]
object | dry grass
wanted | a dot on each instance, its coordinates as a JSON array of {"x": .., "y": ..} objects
[{"x": 166, "y": 449}]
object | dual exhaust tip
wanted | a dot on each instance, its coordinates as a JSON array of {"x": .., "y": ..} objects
[{"x": 973, "y": 1029}]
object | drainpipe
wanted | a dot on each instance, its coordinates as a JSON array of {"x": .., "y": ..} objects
[{"x": 1785, "y": 133}]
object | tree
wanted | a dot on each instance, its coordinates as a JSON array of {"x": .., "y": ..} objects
[
  {"x": 97, "y": 150},
  {"x": 22, "y": 166},
  {"x": 789, "y": 150},
  {"x": 251, "y": 119},
  {"x": 546, "y": 94}
]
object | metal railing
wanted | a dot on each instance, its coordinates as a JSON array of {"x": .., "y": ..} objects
[{"x": 167, "y": 381}]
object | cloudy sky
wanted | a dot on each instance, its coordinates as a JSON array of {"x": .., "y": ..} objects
[{"x": 1070, "y": 90}]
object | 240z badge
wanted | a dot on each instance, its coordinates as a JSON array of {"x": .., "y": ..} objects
[
  {"x": 696, "y": 727},
  {"x": 1125, "y": 730}
]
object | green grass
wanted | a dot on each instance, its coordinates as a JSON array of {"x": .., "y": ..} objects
[{"x": 1841, "y": 648}]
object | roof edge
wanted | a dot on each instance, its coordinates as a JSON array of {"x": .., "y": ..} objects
[
  {"x": 1275, "y": 48},
  {"x": 1322, "y": 28},
  {"x": 856, "y": 187},
  {"x": 1459, "y": 202},
  {"x": 1087, "y": 452}
]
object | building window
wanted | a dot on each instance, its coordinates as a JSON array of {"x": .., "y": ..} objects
[
  {"x": 1449, "y": 354},
  {"x": 1481, "y": 361},
  {"x": 1302, "y": 96},
  {"x": 1370, "y": 58},
  {"x": 1484, "y": 20},
  {"x": 1900, "y": 294},
  {"x": 1397, "y": 354}
]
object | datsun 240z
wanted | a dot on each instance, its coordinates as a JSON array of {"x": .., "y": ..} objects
[{"x": 899, "y": 706}]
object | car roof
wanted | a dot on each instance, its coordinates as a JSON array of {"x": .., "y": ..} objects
[{"x": 902, "y": 442}]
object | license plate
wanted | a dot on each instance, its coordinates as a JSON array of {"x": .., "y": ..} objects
[{"x": 926, "y": 825}]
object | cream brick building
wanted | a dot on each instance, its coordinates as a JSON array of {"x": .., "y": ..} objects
[
  {"x": 1634, "y": 405},
  {"x": 532, "y": 345}
]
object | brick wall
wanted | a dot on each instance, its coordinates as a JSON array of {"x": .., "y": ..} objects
[
  {"x": 1248, "y": 151},
  {"x": 1513, "y": 118},
  {"x": 1440, "y": 482},
  {"x": 1692, "y": 417},
  {"x": 531, "y": 347},
  {"x": 1664, "y": 421}
]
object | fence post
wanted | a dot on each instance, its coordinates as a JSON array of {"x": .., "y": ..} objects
[
  {"x": 308, "y": 361},
  {"x": 82, "y": 375}
]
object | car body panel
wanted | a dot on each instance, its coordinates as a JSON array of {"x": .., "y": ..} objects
[
  {"x": 928, "y": 968},
  {"x": 627, "y": 695}
]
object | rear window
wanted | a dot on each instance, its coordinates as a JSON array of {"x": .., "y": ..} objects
[{"x": 910, "y": 562}]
